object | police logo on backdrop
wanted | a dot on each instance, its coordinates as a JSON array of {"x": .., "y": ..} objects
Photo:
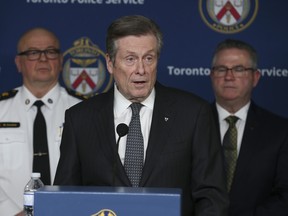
[
  {"x": 228, "y": 16},
  {"x": 84, "y": 69},
  {"x": 105, "y": 212}
]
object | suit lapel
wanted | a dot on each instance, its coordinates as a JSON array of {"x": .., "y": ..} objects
[
  {"x": 249, "y": 145},
  {"x": 104, "y": 125},
  {"x": 216, "y": 117},
  {"x": 162, "y": 121}
]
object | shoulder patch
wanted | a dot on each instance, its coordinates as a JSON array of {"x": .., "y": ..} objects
[
  {"x": 76, "y": 94},
  {"x": 8, "y": 94}
]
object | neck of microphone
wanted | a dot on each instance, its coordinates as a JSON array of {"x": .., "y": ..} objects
[{"x": 122, "y": 130}]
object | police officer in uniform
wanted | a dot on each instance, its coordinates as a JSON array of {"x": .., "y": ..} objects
[{"x": 39, "y": 60}]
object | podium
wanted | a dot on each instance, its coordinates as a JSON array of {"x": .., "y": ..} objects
[{"x": 106, "y": 201}]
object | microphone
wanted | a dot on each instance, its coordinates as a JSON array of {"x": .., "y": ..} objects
[{"x": 122, "y": 130}]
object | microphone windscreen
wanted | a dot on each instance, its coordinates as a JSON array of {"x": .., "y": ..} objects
[{"x": 122, "y": 129}]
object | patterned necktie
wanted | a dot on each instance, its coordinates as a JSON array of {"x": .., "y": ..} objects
[
  {"x": 40, "y": 146},
  {"x": 134, "y": 155},
  {"x": 230, "y": 149}
]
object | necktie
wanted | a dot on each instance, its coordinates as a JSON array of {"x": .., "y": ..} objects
[
  {"x": 40, "y": 145},
  {"x": 230, "y": 150},
  {"x": 134, "y": 155}
]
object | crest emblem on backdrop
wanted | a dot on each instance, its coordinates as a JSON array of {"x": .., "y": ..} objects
[
  {"x": 228, "y": 16},
  {"x": 84, "y": 70}
]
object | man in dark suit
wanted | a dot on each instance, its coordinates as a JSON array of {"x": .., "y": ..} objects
[
  {"x": 180, "y": 142},
  {"x": 260, "y": 183}
]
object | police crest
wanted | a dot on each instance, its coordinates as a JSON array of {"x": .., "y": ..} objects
[
  {"x": 84, "y": 68},
  {"x": 228, "y": 16}
]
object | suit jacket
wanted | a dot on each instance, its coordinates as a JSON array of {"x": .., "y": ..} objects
[
  {"x": 260, "y": 185},
  {"x": 183, "y": 151}
]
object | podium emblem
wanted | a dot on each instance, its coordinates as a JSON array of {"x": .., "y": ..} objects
[{"x": 105, "y": 212}]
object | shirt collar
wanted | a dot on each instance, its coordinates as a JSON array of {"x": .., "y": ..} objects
[
  {"x": 121, "y": 104},
  {"x": 241, "y": 114},
  {"x": 49, "y": 99}
]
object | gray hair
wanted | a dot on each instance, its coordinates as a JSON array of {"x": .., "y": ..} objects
[
  {"x": 238, "y": 44},
  {"x": 135, "y": 25}
]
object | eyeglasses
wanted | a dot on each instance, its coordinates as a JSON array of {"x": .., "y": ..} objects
[
  {"x": 33, "y": 55},
  {"x": 237, "y": 71}
]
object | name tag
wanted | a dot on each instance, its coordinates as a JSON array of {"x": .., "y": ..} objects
[{"x": 9, "y": 124}]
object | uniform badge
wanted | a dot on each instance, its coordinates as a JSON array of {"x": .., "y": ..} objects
[
  {"x": 9, "y": 124},
  {"x": 8, "y": 94},
  {"x": 84, "y": 69},
  {"x": 228, "y": 16}
]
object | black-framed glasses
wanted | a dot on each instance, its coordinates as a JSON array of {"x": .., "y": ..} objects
[
  {"x": 237, "y": 71},
  {"x": 36, "y": 54}
]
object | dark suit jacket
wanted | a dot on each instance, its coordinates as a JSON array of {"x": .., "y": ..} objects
[
  {"x": 183, "y": 152},
  {"x": 260, "y": 185}
]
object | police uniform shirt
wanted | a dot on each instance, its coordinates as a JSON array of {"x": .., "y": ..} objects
[{"x": 17, "y": 115}]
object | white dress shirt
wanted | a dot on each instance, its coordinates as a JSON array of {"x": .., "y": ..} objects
[
  {"x": 123, "y": 113},
  {"x": 240, "y": 124}
]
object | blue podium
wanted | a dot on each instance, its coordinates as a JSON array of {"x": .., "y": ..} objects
[{"x": 106, "y": 201}]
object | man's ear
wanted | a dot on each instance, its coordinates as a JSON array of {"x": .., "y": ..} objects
[
  {"x": 18, "y": 63},
  {"x": 109, "y": 63},
  {"x": 257, "y": 75}
]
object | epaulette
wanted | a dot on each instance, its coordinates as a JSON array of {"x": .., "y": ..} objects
[
  {"x": 76, "y": 94},
  {"x": 8, "y": 94}
]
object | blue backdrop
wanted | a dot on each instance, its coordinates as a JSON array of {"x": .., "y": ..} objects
[{"x": 191, "y": 28}]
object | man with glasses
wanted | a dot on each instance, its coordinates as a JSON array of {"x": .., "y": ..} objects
[
  {"x": 254, "y": 140},
  {"x": 39, "y": 60}
]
